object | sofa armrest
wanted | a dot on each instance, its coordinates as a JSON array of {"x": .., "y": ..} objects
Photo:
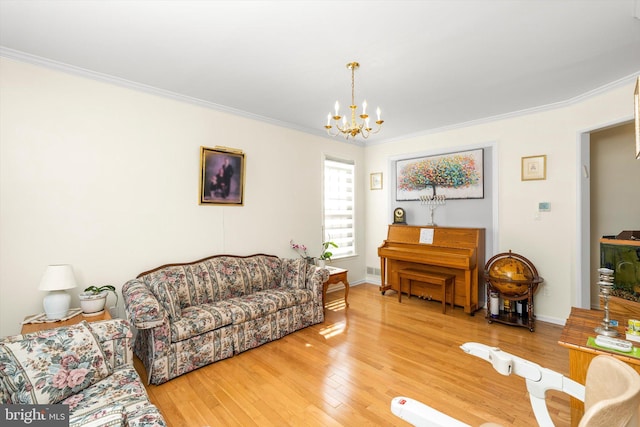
[
  {"x": 315, "y": 279},
  {"x": 142, "y": 307},
  {"x": 116, "y": 339}
]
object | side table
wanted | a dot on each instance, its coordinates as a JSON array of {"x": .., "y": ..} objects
[
  {"x": 35, "y": 327},
  {"x": 336, "y": 275},
  {"x": 579, "y": 327}
]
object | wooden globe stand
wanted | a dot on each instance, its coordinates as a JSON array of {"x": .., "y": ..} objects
[{"x": 513, "y": 291}]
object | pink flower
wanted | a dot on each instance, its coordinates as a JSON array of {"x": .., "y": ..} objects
[
  {"x": 74, "y": 400},
  {"x": 60, "y": 379},
  {"x": 76, "y": 377},
  {"x": 301, "y": 249},
  {"x": 69, "y": 360},
  {"x": 97, "y": 362}
]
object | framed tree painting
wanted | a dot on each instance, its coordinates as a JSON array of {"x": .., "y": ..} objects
[
  {"x": 452, "y": 175},
  {"x": 221, "y": 176}
]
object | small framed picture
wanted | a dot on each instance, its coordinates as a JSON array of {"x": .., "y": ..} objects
[
  {"x": 534, "y": 168},
  {"x": 376, "y": 181},
  {"x": 221, "y": 176}
]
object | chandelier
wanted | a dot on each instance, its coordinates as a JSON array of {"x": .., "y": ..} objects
[{"x": 352, "y": 128}]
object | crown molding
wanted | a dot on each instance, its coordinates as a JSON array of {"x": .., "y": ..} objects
[
  {"x": 630, "y": 79},
  {"x": 106, "y": 78},
  {"x": 60, "y": 66}
]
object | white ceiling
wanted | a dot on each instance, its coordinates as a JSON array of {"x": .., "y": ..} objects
[{"x": 428, "y": 64}]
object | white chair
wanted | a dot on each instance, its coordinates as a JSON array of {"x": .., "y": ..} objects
[{"x": 611, "y": 393}]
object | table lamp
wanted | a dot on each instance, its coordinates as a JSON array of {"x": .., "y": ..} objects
[{"x": 57, "y": 279}]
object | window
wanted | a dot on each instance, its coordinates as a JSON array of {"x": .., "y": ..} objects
[{"x": 339, "y": 205}]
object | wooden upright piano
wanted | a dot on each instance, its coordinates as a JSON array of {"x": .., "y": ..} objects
[{"x": 458, "y": 251}]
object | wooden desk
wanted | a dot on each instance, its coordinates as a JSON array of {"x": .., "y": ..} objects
[
  {"x": 35, "y": 327},
  {"x": 336, "y": 275},
  {"x": 579, "y": 327}
]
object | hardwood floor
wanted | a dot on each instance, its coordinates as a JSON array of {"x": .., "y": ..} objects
[{"x": 345, "y": 371}]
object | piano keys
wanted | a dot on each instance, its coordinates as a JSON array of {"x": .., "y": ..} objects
[{"x": 458, "y": 251}]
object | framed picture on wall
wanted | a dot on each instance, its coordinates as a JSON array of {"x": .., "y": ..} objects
[
  {"x": 534, "y": 168},
  {"x": 376, "y": 181},
  {"x": 221, "y": 176},
  {"x": 456, "y": 175}
]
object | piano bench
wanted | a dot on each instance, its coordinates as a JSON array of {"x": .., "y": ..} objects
[{"x": 444, "y": 280}]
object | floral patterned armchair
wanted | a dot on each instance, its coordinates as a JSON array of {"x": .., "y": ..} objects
[{"x": 87, "y": 366}]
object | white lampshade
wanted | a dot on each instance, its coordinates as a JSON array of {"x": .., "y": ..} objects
[{"x": 56, "y": 279}]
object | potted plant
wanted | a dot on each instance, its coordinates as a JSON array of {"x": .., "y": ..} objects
[
  {"x": 94, "y": 298},
  {"x": 326, "y": 255}
]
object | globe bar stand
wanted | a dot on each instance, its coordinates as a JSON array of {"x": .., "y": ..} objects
[{"x": 515, "y": 280}]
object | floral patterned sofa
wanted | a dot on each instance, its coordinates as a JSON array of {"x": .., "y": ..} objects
[
  {"x": 193, "y": 314},
  {"x": 87, "y": 366}
]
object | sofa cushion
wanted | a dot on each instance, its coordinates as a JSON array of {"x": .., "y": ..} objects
[
  {"x": 176, "y": 275},
  {"x": 167, "y": 296},
  {"x": 200, "y": 319},
  {"x": 285, "y": 298},
  {"x": 48, "y": 366},
  {"x": 250, "y": 307},
  {"x": 294, "y": 273},
  {"x": 263, "y": 272},
  {"x": 122, "y": 388},
  {"x": 230, "y": 276}
]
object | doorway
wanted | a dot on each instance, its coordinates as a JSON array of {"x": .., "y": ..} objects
[{"x": 608, "y": 175}]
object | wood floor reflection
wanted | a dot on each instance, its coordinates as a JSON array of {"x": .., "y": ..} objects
[{"x": 345, "y": 371}]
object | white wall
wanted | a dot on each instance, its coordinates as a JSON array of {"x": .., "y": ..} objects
[
  {"x": 549, "y": 242},
  {"x": 106, "y": 179}
]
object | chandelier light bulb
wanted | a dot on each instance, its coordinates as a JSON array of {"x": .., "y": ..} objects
[
  {"x": 364, "y": 107},
  {"x": 337, "y": 107},
  {"x": 378, "y": 113},
  {"x": 329, "y": 119}
]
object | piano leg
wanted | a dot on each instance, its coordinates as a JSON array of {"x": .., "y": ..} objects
[{"x": 383, "y": 276}]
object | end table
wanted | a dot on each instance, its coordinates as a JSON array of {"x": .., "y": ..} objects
[
  {"x": 336, "y": 275},
  {"x": 35, "y": 327}
]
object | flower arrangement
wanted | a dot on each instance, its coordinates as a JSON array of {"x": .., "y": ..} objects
[
  {"x": 301, "y": 249},
  {"x": 325, "y": 253}
]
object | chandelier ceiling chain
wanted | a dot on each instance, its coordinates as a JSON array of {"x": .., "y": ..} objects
[{"x": 352, "y": 128}]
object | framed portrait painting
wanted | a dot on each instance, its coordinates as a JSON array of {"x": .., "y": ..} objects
[{"x": 221, "y": 176}]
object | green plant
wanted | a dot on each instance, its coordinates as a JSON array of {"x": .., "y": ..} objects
[
  {"x": 95, "y": 290},
  {"x": 326, "y": 254}
]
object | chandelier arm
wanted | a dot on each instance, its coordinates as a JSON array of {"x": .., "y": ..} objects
[
  {"x": 378, "y": 129},
  {"x": 331, "y": 134}
]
